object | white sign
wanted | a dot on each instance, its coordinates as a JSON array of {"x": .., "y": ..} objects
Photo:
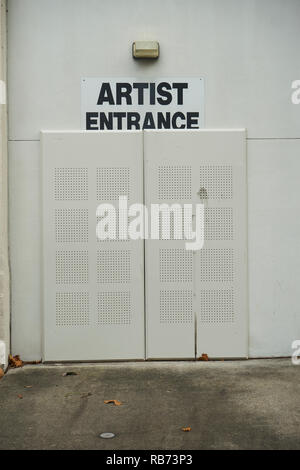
[{"x": 131, "y": 103}]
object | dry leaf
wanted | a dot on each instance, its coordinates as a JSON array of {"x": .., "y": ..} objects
[
  {"x": 115, "y": 402},
  {"x": 15, "y": 361},
  {"x": 20, "y": 396},
  {"x": 27, "y": 386},
  {"x": 1, "y": 373},
  {"x": 204, "y": 357},
  {"x": 186, "y": 429}
]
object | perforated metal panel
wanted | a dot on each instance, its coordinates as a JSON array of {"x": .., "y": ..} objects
[
  {"x": 175, "y": 265},
  {"x": 118, "y": 238},
  {"x": 216, "y": 265},
  {"x": 93, "y": 298},
  {"x": 71, "y": 184},
  {"x": 72, "y": 267},
  {"x": 169, "y": 267},
  {"x": 196, "y": 302},
  {"x": 114, "y": 308},
  {"x": 112, "y": 183},
  {"x": 216, "y": 181},
  {"x": 217, "y": 306},
  {"x": 114, "y": 266},
  {"x": 174, "y": 182},
  {"x": 71, "y": 225},
  {"x": 72, "y": 309},
  {"x": 218, "y": 223},
  {"x": 176, "y": 306}
]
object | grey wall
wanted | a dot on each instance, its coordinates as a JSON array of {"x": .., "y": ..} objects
[
  {"x": 4, "y": 269},
  {"x": 248, "y": 53}
]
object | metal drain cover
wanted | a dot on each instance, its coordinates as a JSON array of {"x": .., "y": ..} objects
[{"x": 107, "y": 435}]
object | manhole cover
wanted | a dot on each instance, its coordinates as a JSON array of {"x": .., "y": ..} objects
[{"x": 107, "y": 435}]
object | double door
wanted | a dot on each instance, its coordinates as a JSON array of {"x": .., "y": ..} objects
[{"x": 128, "y": 299}]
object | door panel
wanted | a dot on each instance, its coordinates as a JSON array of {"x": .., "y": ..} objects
[
  {"x": 221, "y": 266},
  {"x": 169, "y": 279},
  {"x": 196, "y": 302},
  {"x": 93, "y": 290}
]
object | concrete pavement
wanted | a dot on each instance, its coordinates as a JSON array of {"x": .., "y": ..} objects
[{"x": 251, "y": 404}]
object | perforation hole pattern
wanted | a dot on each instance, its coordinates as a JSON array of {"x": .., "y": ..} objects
[
  {"x": 175, "y": 265},
  {"x": 174, "y": 182},
  {"x": 176, "y": 306},
  {"x": 114, "y": 308},
  {"x": 216, "y": 264},
  {"x": 71, "y": 184},
  {"x": 72, "y": 309},
  {"x": 72, "y": 267},
  {"x": 215, "y": 182},
  {"x": 112, "y": 183},
  {"x": 218, "y": 223},
  {"x": 217, "y": 306},
  {"x": 171, "y": 232},
  {"x": 71, "y": 225},
  {"x": 113, "y": 266},
  {"x": 117, "y": 239}
]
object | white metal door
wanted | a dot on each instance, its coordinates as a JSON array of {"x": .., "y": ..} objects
[
  {"x": 196, "y": 302},
  {"x": 93, "y": 296},
  {"x": 169, "y": 266}
]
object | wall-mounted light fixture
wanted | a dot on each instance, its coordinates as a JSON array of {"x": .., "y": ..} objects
[{"x": 145, "y": 50}]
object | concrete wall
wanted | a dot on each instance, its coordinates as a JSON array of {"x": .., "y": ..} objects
[
  {"x": 248, "y": 53},
  {"x": 4, "y": 270}
]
